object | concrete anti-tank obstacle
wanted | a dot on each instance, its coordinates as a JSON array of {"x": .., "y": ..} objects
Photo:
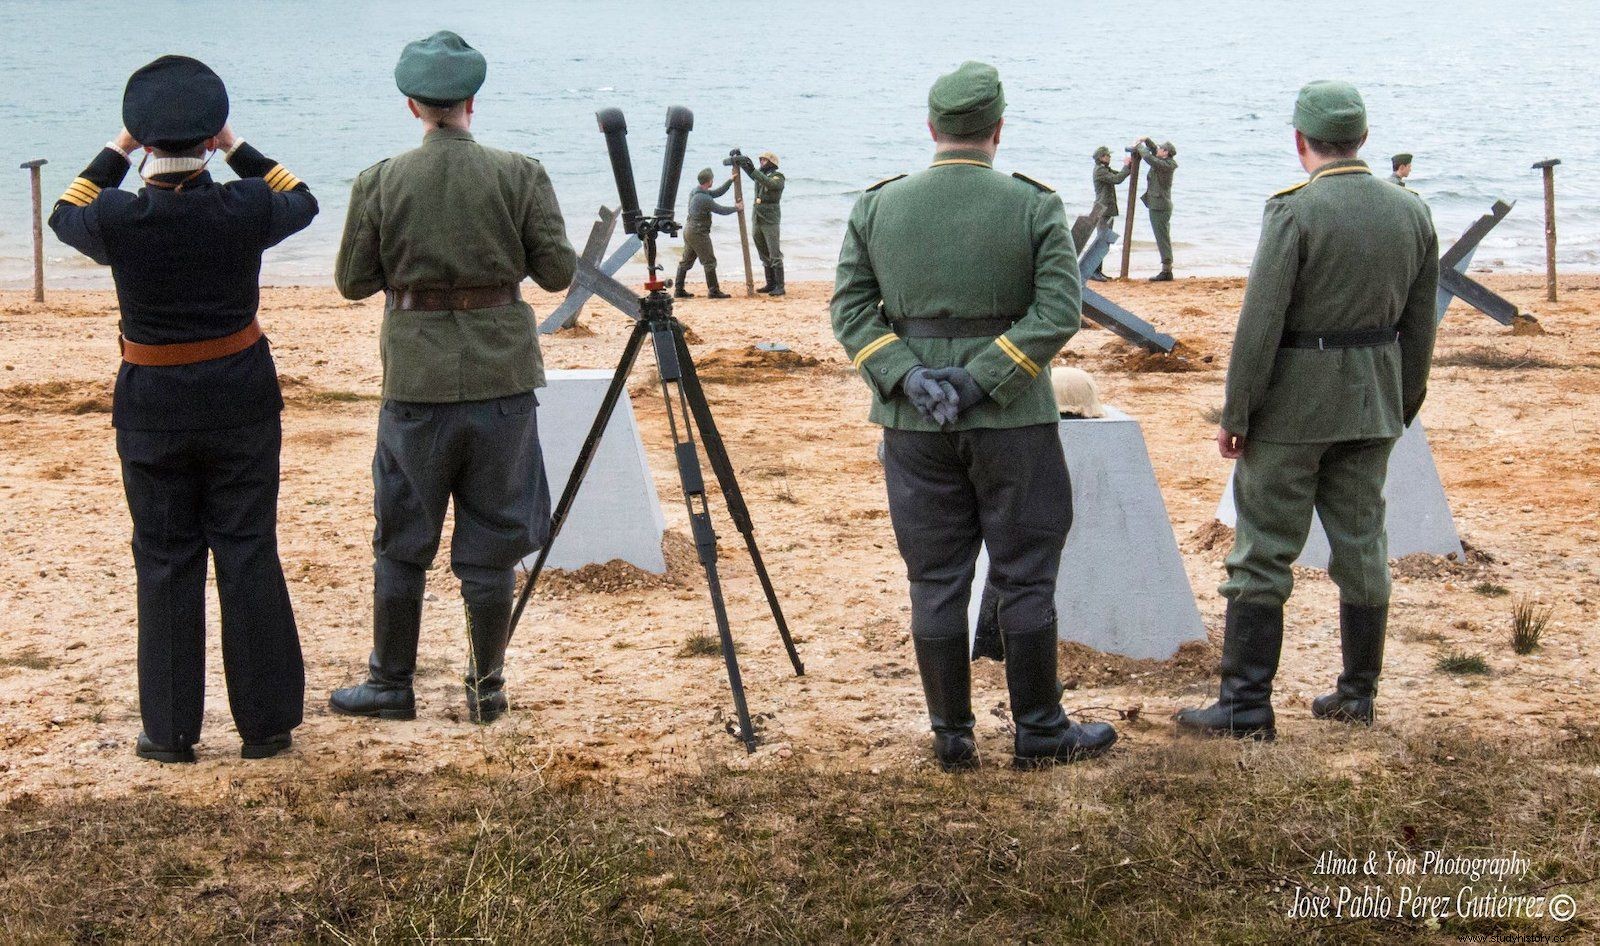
[
  {"x": 1418, "y": 512},
  {"x": 617, "y": 514},
  {"x": 1122, "y": 587}
]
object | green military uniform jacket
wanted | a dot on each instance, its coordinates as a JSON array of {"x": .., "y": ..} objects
[
  {"x": 1342, "y": 251},
  {"x": 1105, "y": 189},
  {"x": 453, "y": 214},
  {"x": 769, "y": 191},
  {"x": 1158, "y": 183},
  {"x": 702, "y": 204},
  {"x": 959, "y": 240}
]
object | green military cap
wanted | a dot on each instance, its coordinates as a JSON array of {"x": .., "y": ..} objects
[
  {"x": 1401, "y": 159},
  {"x": 705, "y": 175},
  {"x": 966, "y": 101},
  {"x": 440, "y": 70},
  {"x": 1102, "y": 152},
  {"x": 1170, "y": 148},
  {"x": 1330, "y": 111}
]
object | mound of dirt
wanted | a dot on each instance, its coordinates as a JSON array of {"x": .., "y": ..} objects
[
  {"x": 1525, "y": 324},
  {"x": 57, "y": 397},
  {"x": 1211, "y": 537},
  {"x": 617, "y": 576},
  {"x": 1421, "y": 566},
  {"x": 575, "y": 330},
  {"x": 750, "y": 365},
  {"x": 1083, "y": 667},
  {"x": 1181, "y": 360}
]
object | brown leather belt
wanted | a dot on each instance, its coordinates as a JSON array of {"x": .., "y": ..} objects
[
  {"x": 447, "y": 300},
  {"x": 189, "y": 353}
]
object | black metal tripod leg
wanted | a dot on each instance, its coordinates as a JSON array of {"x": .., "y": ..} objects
[
  {"x": 669, "y": 364},
  {"x": 580, "y": 467},
  {"x": 732, "y": 495}
]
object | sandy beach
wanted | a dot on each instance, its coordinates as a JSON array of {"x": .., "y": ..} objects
[{"x": 595, "y": 675}]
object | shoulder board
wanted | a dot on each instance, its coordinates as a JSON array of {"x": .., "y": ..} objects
[
  {"x": 374, "y": 167},
  {"x": 1291, "y": 189},
  {"x": 887, "y": 180},
  {"x": 1042, "y": 186}
]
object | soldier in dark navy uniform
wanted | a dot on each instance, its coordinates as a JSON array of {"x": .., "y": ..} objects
[{"x": 197, "y": 404}]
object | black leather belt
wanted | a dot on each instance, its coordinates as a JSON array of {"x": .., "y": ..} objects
[
  {"x": 1356, "y": 338},
  {"x": 453, "y": 300},
  {"x": 951, "y": 328}
]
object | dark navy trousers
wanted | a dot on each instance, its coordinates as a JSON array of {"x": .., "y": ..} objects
[{"x": 192, "y": 493}]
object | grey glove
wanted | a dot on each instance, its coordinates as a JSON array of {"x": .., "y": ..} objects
[
  {"x": 968, "y": 392},
  {"x": 934, "y": 399}
]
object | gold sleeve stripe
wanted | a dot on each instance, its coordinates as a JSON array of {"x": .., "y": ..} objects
[
  {"x": 81, "y": 193},
  {"x": 1016, "y": 354},
  {"x": 873, "y": 347},
  {"x": 279, "y": 179}
]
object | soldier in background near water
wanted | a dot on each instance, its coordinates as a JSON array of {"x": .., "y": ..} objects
[
  {"x": 1105, "y": 193},
  {"x": 1401, "y": 164},
  {"x": 697, "y": 235},
  {"x": 1158, "y": 198},
  {"x": 1329, "y": 366},
  {"x": 768, "y": 216},
  {"x": 955, "y": 337},
  {"x": 449, "y": 230},
  {"x": 197, "y": 407}
]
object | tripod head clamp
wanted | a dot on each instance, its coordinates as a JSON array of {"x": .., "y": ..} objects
[{"x": 680, "y": 121}]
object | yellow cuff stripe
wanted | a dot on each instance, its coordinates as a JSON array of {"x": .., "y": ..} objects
[
  {"x": 873, "y": 348},
  {"x": 81, "y": 192},
  {"x": 1016, "y": 354},
  {"x": 279, "y": 179}
]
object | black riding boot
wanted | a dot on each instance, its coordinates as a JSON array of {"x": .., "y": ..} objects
[
  {"x": 947, "y": 684},
  {"x": 387, "y": 694},
  {"x": 1099, "y": 274},
  {"x": 768, "y": 271},
  {"x": 488, "y": 633},
  {"x": 1045, "y": 735},
  {"x": 1251, "y": 643},
  {"x": 678, "y": 292},
  {"x": 1164, "y": 276},
  {"x": 1361, "y": 632},
  {"x": 713, "y": 290},
  {"x": 777, "y": 280}
]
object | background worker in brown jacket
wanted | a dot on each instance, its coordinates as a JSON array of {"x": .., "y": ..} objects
[{"x": 449, "y": 230}]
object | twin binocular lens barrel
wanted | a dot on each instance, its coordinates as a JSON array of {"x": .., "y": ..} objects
[{"x": 680, "y": 121}]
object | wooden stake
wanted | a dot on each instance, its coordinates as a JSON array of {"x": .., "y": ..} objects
[
  {"x": 1127, "y": 227},
  {"x": 1548, "y": 166},
  {"x": 38, "y": 228},
  {"x": 744, "y": 231}
]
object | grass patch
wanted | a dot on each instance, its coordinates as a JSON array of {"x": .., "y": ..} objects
[
  {"x": 1490, "y": 590},
  {"x": 1132, "y": 849},
  {"x": 1461, "y": 662},
  {"x": 1212, "y": 415},
  {"x": 1529, "y": 619},
  {"x": 1490, "y": 358},
  {"x": 28, "y": 658},
  {"x": 700, "y": 644}
]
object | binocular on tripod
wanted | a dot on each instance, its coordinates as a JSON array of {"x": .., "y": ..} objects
[
  {"x": 689, "y": 417},
  {"x": 680, "y": 121}
]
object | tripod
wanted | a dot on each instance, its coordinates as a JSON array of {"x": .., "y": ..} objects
[{"x": 687, "y": 408}]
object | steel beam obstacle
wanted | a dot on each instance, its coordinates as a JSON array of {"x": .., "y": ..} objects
[
  {"x": 1108, "y": 314},
  {"x": 566, "y": 314},
  {"x": 1454, "y": 283}
]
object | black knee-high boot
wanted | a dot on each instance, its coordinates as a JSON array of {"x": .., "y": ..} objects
[
  {"x": 396, "y": 625},
  {"x": 1251, "y": 643},
  {"x": 1044, "y": 733},
  {"x": 947, "y": 684},
  {"x": 1361, "y": 633}
]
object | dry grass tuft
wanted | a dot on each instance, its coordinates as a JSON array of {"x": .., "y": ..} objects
[
  {"x": 1490, "y": 358},
  {"x": 1461, "y": 662},
  {"x": 1529, "y": 619}
]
